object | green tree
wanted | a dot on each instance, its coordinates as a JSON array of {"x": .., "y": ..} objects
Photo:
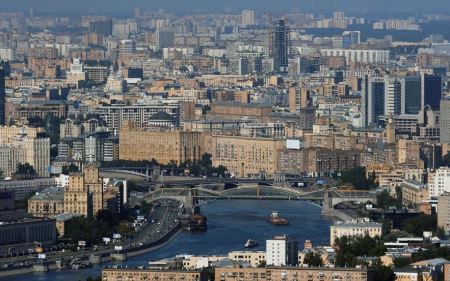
[
  {"x": 72, "y": 168},
  {"x": 349, "y": 248},
  {"x": 385, "y": 200},
  {"x": 383, "y": 273},
  {"x": 357, "y": 178},
  {"x": 313, "y": 259},
  {"x": 25, "y": 171},
  {"x": 418, "y": 225}
]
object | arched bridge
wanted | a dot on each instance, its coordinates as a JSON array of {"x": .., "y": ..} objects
[{"x": 327, "y": 198}]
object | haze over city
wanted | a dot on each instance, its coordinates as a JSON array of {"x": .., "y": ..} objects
[{"x": 251, "y": 140}]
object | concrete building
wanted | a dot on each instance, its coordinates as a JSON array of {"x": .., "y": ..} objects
[
  {"x": 439, "y": 181},
  {"x": 444, "y": 121},
  {"x": 414, "y": 192},
  {"x": 21, "y": 145},
  {"x": 47, "y": 203},
  {"x": 163, "y": 146},
  {"x": 139, "y": 274},
  {"x": 139, "y": 114},
  {"x": 279, "y": 44},
  {"x": 19, "y": 232},
  {"x": 84, "y": 194},
  {"x": 443, "y": 212},
  {"x": 254, "y": 258},
  {"x": 360, "y": 227},
  {"x": 247, "y": 17},
  {"x": 362, "y": 56},
  {"x": 292, "y": 273},
  {"x": 245, "y": 156},
  {"x": 281, "y": 251},
  {"x": 164, "y": 38}
]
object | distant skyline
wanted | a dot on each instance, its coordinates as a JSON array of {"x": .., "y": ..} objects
[{"x": 121, "y": 7}]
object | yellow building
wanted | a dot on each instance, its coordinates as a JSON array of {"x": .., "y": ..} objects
[
  {"x": 47, "y": 203},
  {"x": 164, "y": 146},
  {"x": 292, "y": 273},
  {"x": 84, "y": 194},
  {"x": 245, "y": 156},
  {"x": 130, "y": 274},
  {"x": 360, "y": 227},
  {"x": 254, "y": 258}
]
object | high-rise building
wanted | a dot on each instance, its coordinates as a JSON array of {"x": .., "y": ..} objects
[
  {"x": 248, "y": 17},
  {"x": 431, "y": 90},
  {"x": 279, "y": 46},
  {"x": 164, "y": 38},
  {"x": 373, "y": 99},
  {"x": 443, "y": 212},
  {"x": 411, "y": 95},
  {"x": 84, "y": 194},
  {"x": 2, "y": 98},
  {"x": 103, "y": 27},
  {"x": 126, "y": 48},
  {"x": 392, "y": 101},
  {"x": 282, "y": 251},
  {"x": 439, "y": 181},
  {"x": 444, "y": 121}
]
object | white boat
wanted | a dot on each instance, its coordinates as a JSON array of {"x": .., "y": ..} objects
[{"x": 251, "y": 243}]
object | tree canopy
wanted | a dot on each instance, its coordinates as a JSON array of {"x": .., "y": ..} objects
[
  {"x": 357, "y": 178},
  {"x": 313, "y": 259},
  {"x": 25, "y": 171}
]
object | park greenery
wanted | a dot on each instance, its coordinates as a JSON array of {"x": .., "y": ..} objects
[
  {"x": 25, "y": 172},
  {"x": 358, "y": 179},
  {"x": 92, "y": 230},
  {"x": 313, "y": 259},
  {"x": 348, "y": 249},
  {"x": 72, "y": 168}
]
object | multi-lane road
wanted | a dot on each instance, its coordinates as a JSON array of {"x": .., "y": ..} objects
[{"x": 162, "y": 220}]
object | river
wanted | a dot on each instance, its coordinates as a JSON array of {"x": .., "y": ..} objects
[{"x": 230, "y": 224}]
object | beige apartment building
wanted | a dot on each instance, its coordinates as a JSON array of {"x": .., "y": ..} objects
[
  {"x": 293, "y": 273},
  {"x": 84, "y": 194},
  {"x": 254, "y": 258},
  {"x": 47, "y": 204},
  {"x": 163, "y": 146},
  {"x": 21, "y": 145},
  {"x": 360, "y": 227},
  {"x": 443, "y": 212},
  {"x": 130, "y": 274},
  {"x": 245, "y": 156}
]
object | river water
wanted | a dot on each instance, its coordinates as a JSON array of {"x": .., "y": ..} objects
[{"x": 230, "y": 224}]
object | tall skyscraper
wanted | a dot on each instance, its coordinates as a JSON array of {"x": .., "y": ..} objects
[
  {"x": 431, "y": 91},
  {"x": 164, "y": 38},
  {"x": 411, "y": 95},
  {"x": 373, "y": 89},
  {"x": 444, "y": 121},
  {"x": 247, "y": 17},
  {"x": 279, "y": 46},
  {"x": 392, "y": 92},
  {"x": 103, "y": 27},
  {"x": 2, "y": 97}
]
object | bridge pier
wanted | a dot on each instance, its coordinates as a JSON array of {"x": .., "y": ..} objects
[{"x": 327, "y": 205}]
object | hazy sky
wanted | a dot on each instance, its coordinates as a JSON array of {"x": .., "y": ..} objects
[{"x": 126, "y": 6}]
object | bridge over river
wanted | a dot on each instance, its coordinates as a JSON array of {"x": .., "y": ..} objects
[{"x": 327, "y": 198}]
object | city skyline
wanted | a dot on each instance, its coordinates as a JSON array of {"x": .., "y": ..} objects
[{"x": 116, "y": 7}]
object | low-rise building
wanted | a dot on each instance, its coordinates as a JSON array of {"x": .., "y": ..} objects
[
  {"x": 144, "y": 274},
  {"x": 360, "y": 227},
  {"x": 19, "y": 232},
  {"x": 293, "y": 273},
  {"x": 47, "y": 203}
]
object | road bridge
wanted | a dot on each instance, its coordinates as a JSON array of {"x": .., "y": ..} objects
[{"x": 327, "y": 198}]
